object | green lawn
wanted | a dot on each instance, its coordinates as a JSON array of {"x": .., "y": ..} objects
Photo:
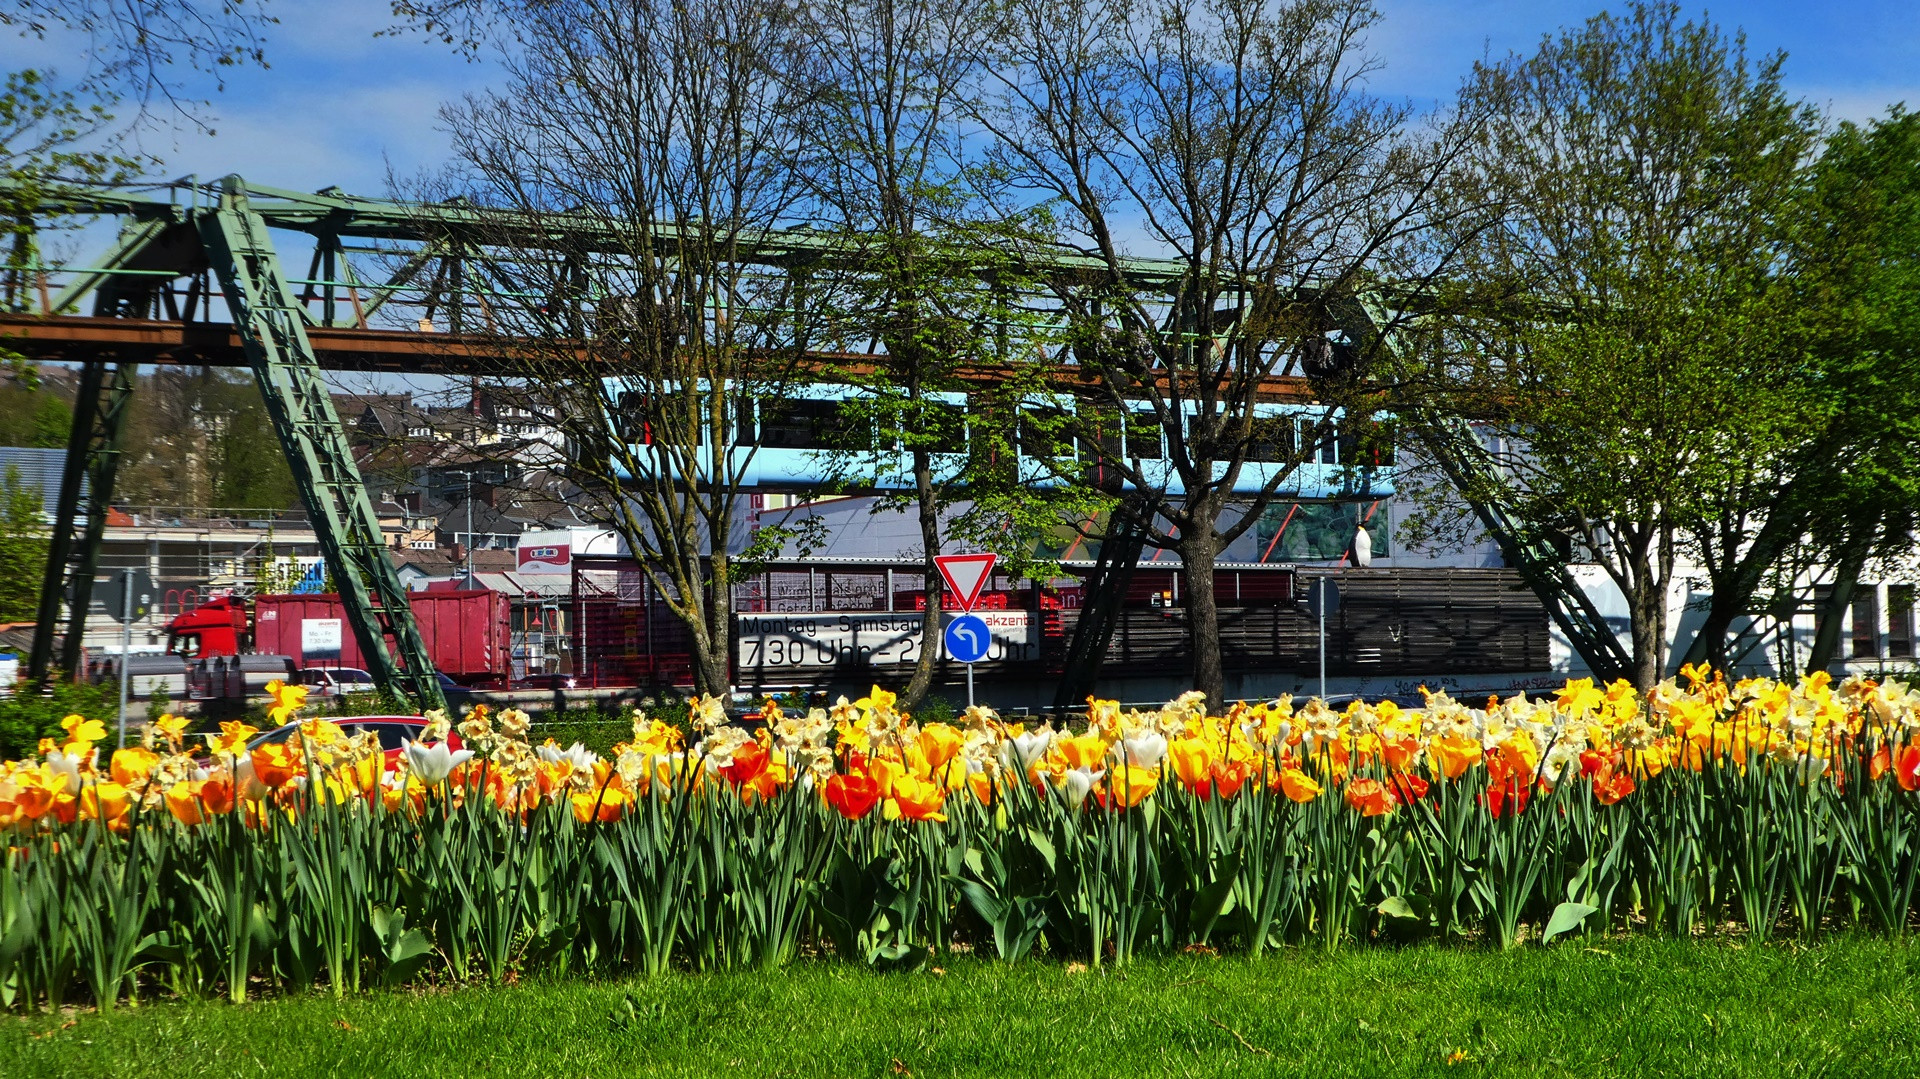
[{"x": 1630, "y": 1008}]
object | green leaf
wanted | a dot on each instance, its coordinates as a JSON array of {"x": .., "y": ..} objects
[
  {"x": 1566, "y": 917},
  {"x": 1395, "y": 906}
]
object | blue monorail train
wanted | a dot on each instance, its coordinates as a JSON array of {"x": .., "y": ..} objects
[{"x": 810, "y": 437}]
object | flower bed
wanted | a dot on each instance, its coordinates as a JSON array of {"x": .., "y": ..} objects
[{"x": 1757, "y": 806}]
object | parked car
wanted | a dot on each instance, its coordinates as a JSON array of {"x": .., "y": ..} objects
[
  {"x": 336, "y": 681},
  {"x": 392, "y": 730}
]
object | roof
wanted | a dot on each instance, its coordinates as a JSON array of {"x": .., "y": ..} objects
[{"x": 475, "y": 517}]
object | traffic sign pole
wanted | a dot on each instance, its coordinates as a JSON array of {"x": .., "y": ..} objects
[
  {"x": 126, "y": 645},
  {"x": 1321, "y": 585},
  {"x": 968, "y": 636}
]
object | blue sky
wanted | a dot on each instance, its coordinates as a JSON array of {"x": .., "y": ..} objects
[{"x": 339, "y": 106}]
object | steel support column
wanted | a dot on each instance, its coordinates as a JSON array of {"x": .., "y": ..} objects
[
  {"x": 272, "y": 327},
  {"x": 73, "y": 550}
]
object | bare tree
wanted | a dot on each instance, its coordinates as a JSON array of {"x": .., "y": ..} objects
[
  {"x": 637, "y": 284},
  {"x": 1235, "y": 139},
  {"x": 934, "y": 292}
]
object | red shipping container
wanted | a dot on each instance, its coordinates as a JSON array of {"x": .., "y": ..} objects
[{"x": 468, "y": 634}]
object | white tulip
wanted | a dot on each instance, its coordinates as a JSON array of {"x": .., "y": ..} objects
[
  {"x": 433, "y": 763},
  {"x": 1029, "y": 748},
  {"x": 1079, "y": 782},
  {"x": 68, "y": 765},
  {"x": 245, "y": 782},
  {"x": 1145, "y": 751},
  {"x": 577, "y": 755}
]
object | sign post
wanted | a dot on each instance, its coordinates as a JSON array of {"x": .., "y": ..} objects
[
  {"x": 1323, "y": 599},
  {"x": 967, "y": 636},
  {"x": 127, "y": 596}
]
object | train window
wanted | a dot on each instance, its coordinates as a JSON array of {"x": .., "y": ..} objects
[
  {"x": 744, "y": 427},
  {"x": 1271, "y": 439},
  {"x": 937, "y": 426},
  {"x": 1321, "y": 439},
  {"x": 1042, "y": 433},
  {"x": 1098, "y": 435},
  {"x": 631, "y": 420},
  {"x": 1143, "y": 436},
  {"x": 813, "y": 425}
]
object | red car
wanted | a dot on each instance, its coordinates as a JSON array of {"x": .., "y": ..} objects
[{"x": 392, "y": 730}]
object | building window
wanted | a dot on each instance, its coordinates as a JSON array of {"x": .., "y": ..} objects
[
  {"x": 1866, "y": 621},
  {"x": 1900, "y": 621}
]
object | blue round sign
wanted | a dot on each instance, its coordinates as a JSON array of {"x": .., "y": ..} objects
[{"x": 968, "y": 638}]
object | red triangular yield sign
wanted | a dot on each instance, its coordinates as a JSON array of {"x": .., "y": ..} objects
[{"x": 966, "y": 575}]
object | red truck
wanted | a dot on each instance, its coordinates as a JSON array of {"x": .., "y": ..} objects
[{"x": 468, "y": 634}]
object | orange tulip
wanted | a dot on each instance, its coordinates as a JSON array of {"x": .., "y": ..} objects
[
  {"x": 1298, "y": 786},
  {"x": 853, "y": 795},
  {"x": 605, "y": 805},
  {"x": 1083, "y": 751},
  {"x": 1370, "y": 796},
  {"x": 274, "y": 766},
  {"x": 982, "y": 785},
  {"x": 216, "y": 794},
  {"x": 1399, "y": 752},
  {"x": 1611, "y": 785},
  {"x": 109, "y": 802},
  {"x": 1455, "y": 755},
  {"x": 1192, "y": 761},
  {"x": 748, "y": 764},
  {"x": 183, "y": 802},
  {"x": 1126, "y": 787},
  {"x": 1906, "y": 767},
  {"x": 1230, "y": 776},
  {"x": 941, "y": 743}
]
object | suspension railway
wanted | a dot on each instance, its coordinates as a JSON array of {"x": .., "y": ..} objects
[{"x": 187, "y": 254}]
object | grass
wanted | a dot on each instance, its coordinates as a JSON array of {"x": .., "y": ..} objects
[{"x": 1625, "y": 1008}]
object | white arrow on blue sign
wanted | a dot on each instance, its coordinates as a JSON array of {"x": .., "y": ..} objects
[{"x": 968, "y": 639}]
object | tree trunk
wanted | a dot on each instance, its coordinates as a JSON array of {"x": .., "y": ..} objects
[
  {"x": 1733, "y": 592},
  {"x": 1197, "y": 550},
  {"x": 1647, "y": 613},
  {"x": 1826, "y": 639},
  {"x": 930, "y": 628},
  {"x": 713, "y": 646},
  {"x": 1102, "y": 593}
]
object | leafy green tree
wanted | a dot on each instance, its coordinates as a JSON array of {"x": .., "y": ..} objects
[
  {"x": 1629, "y": 336},
  {"x": 23, "y": 548},
  {"x": 1855, "y": 482},
  {"x": 27, "y": 717}
]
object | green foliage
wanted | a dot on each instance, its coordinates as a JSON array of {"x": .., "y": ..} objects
[
  {"x": 26, "y": 717},
  {"x": 202, "y": 437},
  {"x": 23, "y": 548},
  {"x": 934, "y": 709},
  {"x": 32, "y": 415}
]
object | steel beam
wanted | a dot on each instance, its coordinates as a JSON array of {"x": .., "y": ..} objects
[
  {"x": 73, "y": 550},
  {"x": 270, "y": 322}
]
